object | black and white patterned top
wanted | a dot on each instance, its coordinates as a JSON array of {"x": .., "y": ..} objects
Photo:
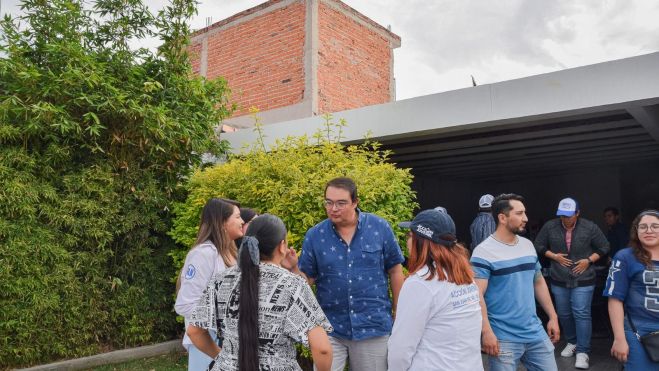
[{"x": 288, "y": 309}]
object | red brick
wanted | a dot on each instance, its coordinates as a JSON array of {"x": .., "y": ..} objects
[{"x": 255, "y": 56}]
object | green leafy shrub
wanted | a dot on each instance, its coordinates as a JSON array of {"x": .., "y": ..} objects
[
  {"x": 95, "y": 142},
  {"x": 289, "y": 179}
]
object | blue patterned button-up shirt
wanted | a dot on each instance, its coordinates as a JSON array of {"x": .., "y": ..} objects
[{"x": 352, "y": 280}]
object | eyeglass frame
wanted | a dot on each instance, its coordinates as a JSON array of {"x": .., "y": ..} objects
[
  {"x": 339, "y": 205},
  {"x": 648, "y": 228}
]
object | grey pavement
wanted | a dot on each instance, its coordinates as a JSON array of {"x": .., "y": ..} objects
[{"x": 600, "y": 358}]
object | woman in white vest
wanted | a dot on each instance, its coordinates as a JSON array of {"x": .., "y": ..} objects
[
  {"x": 438, "y": 321},
  {"x": 213, "y": 252}
]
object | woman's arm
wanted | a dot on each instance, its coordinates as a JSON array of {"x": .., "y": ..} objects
[
  {"x": 321, "y": 349},
  {"x": 620, "y": 348},
  {"x": 412, "y": 316},
  {"x": 197, "y": 272},
  {"x": 202, "y": 340}
]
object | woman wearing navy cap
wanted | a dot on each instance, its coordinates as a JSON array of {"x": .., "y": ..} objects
[{"x": 438, "y": 321}]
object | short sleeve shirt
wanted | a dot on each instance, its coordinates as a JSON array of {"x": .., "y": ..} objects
[
  {"x": 637, "y": 286},
  {"x": 510, "y": 297},
  {"x": 352, "y": 280},
  {"x": 287, "y": 311}
]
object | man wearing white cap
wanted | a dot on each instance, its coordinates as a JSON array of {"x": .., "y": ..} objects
[
  {"x": 573, "y": 244},
  {"x": 483, "y": 226}
]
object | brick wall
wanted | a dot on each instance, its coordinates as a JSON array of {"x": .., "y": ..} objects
[
  {"x": 353, "y": 63},
  {"x": 261, "y": 59},
  {"x": 261, "y": 54}
]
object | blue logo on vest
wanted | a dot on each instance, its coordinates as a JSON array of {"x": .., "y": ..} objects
[{"x": 189, "y": 274}]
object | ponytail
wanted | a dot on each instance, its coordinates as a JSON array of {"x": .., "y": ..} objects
[
  {"x": 248, "y": 312},
  {"x": 263, "y": 235}
]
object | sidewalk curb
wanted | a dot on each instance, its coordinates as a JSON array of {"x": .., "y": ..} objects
[{"x": 117, "y": 356}]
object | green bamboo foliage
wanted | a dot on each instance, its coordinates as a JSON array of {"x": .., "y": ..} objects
[{"x": 96, "y": 139}]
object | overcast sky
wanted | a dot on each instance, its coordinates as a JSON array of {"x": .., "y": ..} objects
[{"x": 446, "y": 41}]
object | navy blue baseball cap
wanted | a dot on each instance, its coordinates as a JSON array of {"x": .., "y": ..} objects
[{"x": 432, "y": 225}]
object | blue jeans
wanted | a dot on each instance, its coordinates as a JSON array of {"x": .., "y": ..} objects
[
  {"x": 573, "y": 309},
  {"x": 537, "y": 356}
]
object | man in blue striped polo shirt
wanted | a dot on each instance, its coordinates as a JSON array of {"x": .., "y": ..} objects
[{"x": 508, "y": 275}]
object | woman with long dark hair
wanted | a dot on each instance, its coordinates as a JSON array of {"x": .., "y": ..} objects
[
  {"x": 261, "y": 309},
  {"x": 438, "y": 320},
  {"x": 633, "y": 290},
  {"x": 212, "y": 252}
]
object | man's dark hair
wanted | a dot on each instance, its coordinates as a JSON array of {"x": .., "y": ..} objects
[
  {"x": 344, "y": 183},
  {"x": 501, "y": 204},
  {"x": 612, "y": 209}
]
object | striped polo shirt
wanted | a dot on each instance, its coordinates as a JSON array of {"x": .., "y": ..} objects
[{"x": 510, "y": 295}]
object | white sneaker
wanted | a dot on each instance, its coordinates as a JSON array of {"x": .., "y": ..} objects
[
  {"x": 569, "y": 350},
  {"x": 582, "y": 361}
]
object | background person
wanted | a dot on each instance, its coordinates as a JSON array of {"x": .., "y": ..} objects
[
  {"x": 509, "y": 280},
  {"x": 247, "y": 215},
  {"x": 351, "y": 256},
  {"x": 616, "y": 233},
  {"x": 261, "y": 309},
  {"x": 438, "y": 322},
  {"x": 573, "y": 245},
  {"x": 213, "y": 251},
  {"x": 483, "y": 225},
  {"x": 633, "y": 291}
]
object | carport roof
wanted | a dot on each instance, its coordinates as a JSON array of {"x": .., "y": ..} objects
[{"x": 606, "y": 113}]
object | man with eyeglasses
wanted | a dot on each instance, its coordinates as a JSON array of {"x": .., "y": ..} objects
[{"x": 351, "y": 257}]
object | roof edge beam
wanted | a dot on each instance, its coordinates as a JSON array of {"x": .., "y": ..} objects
[{"x": 648, "y": 117}]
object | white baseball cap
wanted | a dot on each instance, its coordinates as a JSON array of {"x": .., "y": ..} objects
[
  {"x": 567, "y": 207},
  {"x": 485, "y": 201}
]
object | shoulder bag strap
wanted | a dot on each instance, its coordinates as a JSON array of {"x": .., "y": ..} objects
[{"x": 631, "y": 324}]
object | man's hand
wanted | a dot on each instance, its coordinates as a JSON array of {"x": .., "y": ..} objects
[
  {"x": 553, "y": 330},
  {"x": 490, "y": 343},
  {"x": 290, "y": 261},
  {"x": 562, "y": 260},
  {"x": 581, "y": 266}
]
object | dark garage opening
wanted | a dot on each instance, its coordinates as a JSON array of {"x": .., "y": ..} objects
[{"x": 600, "y": 160}]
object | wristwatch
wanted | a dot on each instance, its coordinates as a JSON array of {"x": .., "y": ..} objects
[{"x": 590, "y": 262}]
